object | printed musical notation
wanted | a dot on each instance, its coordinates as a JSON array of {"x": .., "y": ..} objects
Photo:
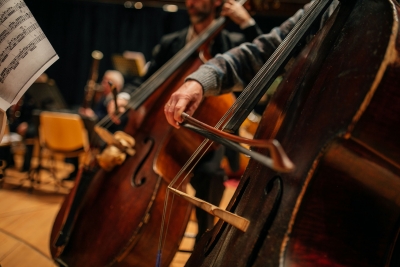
[
  {"x": 16, "y": 40},
  {"x": 25, "y": 52},
  {"x": 22, "y": 54},
  {"x": 13, "y": 25},
  {"x": 10, "y": 10}
]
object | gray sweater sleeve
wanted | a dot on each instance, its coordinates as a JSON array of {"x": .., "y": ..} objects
[{"x": 233, "y": 70}]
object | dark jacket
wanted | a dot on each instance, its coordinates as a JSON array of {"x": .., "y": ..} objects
[{"x": 172, "y": 43}]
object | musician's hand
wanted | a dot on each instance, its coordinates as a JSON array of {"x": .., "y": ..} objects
[
  {"x": 236, "y": 12},
  {"x": 186, "y": 99},
  {"x": 121, "y": 102}
]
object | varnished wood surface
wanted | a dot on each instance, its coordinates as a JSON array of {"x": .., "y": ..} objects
[{"x": 27, "y": 216}]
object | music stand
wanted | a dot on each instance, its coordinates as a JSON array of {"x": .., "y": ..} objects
[
  {"x": 130, "y": 63},
  {"x": 48, "y": 95}
]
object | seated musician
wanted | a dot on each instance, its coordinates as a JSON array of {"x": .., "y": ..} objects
[
  {"x": 99, "y": 109},
  {"x": 208, "y": 179},
  {"x": 21, "y": 121},
  {"x": 227, "y": 71},
  {"x": 230, "y": 70}
]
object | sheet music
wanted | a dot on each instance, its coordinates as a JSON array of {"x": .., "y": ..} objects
[{"x": 25, "y": 52}]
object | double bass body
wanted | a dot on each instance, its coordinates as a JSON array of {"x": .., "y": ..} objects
[
  {"x": 336, "y": 114},
  {"x": 118, "y": 222}
]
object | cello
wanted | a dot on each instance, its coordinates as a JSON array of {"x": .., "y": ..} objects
[
  {"x": 336, "y": 116},
  {"x": 114, "y": 221}
]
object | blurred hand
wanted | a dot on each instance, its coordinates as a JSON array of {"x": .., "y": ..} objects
[
  {"x": 236, "y": 12},
  {"x": 186, "y": 99}
]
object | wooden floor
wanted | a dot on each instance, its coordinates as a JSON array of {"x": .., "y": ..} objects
[{"x": 26, "y": 219}]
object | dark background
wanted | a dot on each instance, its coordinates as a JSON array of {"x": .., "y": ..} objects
[{"x": 76, "y": 28}]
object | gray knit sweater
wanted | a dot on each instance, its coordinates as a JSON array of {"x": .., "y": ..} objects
[{"x": 233, "y": 70}]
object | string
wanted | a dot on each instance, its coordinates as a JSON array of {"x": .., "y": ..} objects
[
  {"x": 264, "y": 76},
  {"x": 251, "y": 93},
  {"x": 148, "y": 87},
  {"x": 249, "y": 90}
]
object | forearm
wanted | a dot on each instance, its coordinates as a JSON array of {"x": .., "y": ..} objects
[{"x": 233, "y": 70}]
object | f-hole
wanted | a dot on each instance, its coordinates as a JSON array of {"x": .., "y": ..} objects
[
  {"x": 139, "y": 175},
  {"x": 273, "y": 190},
  {"x": 210, "y": 245},
  {"x": 140, "y": 183}
]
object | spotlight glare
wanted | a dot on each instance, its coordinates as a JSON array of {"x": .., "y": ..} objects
[
  {"x": 138, "y": 5},
  {"x": 170, "y": 8},
  {"x": 128, "y": 4}
]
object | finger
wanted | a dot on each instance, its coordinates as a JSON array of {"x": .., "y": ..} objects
[
  {"x": 180, "y": 107},
  {"x": 169, "y": 114},
  {"x": 227, "y": 7}
]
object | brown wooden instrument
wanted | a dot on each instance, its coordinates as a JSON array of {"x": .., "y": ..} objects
[
  {"x": 116, "y": 220},
  {"x": 247, "y": 130},
  {"x": 336, "y": 114},
  {"x": 92, "y": 88}
]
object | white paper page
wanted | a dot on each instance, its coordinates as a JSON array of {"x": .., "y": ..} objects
[{"x": 25, "y": 52}]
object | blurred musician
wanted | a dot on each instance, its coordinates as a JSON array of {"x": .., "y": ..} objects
[
  {"x": 99, "y": 109},
  {"x": 96, "y": 111},
  {"x": 21, "y": 121}
]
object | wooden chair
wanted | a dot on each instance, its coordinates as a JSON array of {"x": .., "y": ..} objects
[{"x": 60, "y": 134}]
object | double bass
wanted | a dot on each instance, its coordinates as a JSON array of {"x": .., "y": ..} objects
[
  {"x": 336, "y": 114},
  {"x": 113, "y": 218}
]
